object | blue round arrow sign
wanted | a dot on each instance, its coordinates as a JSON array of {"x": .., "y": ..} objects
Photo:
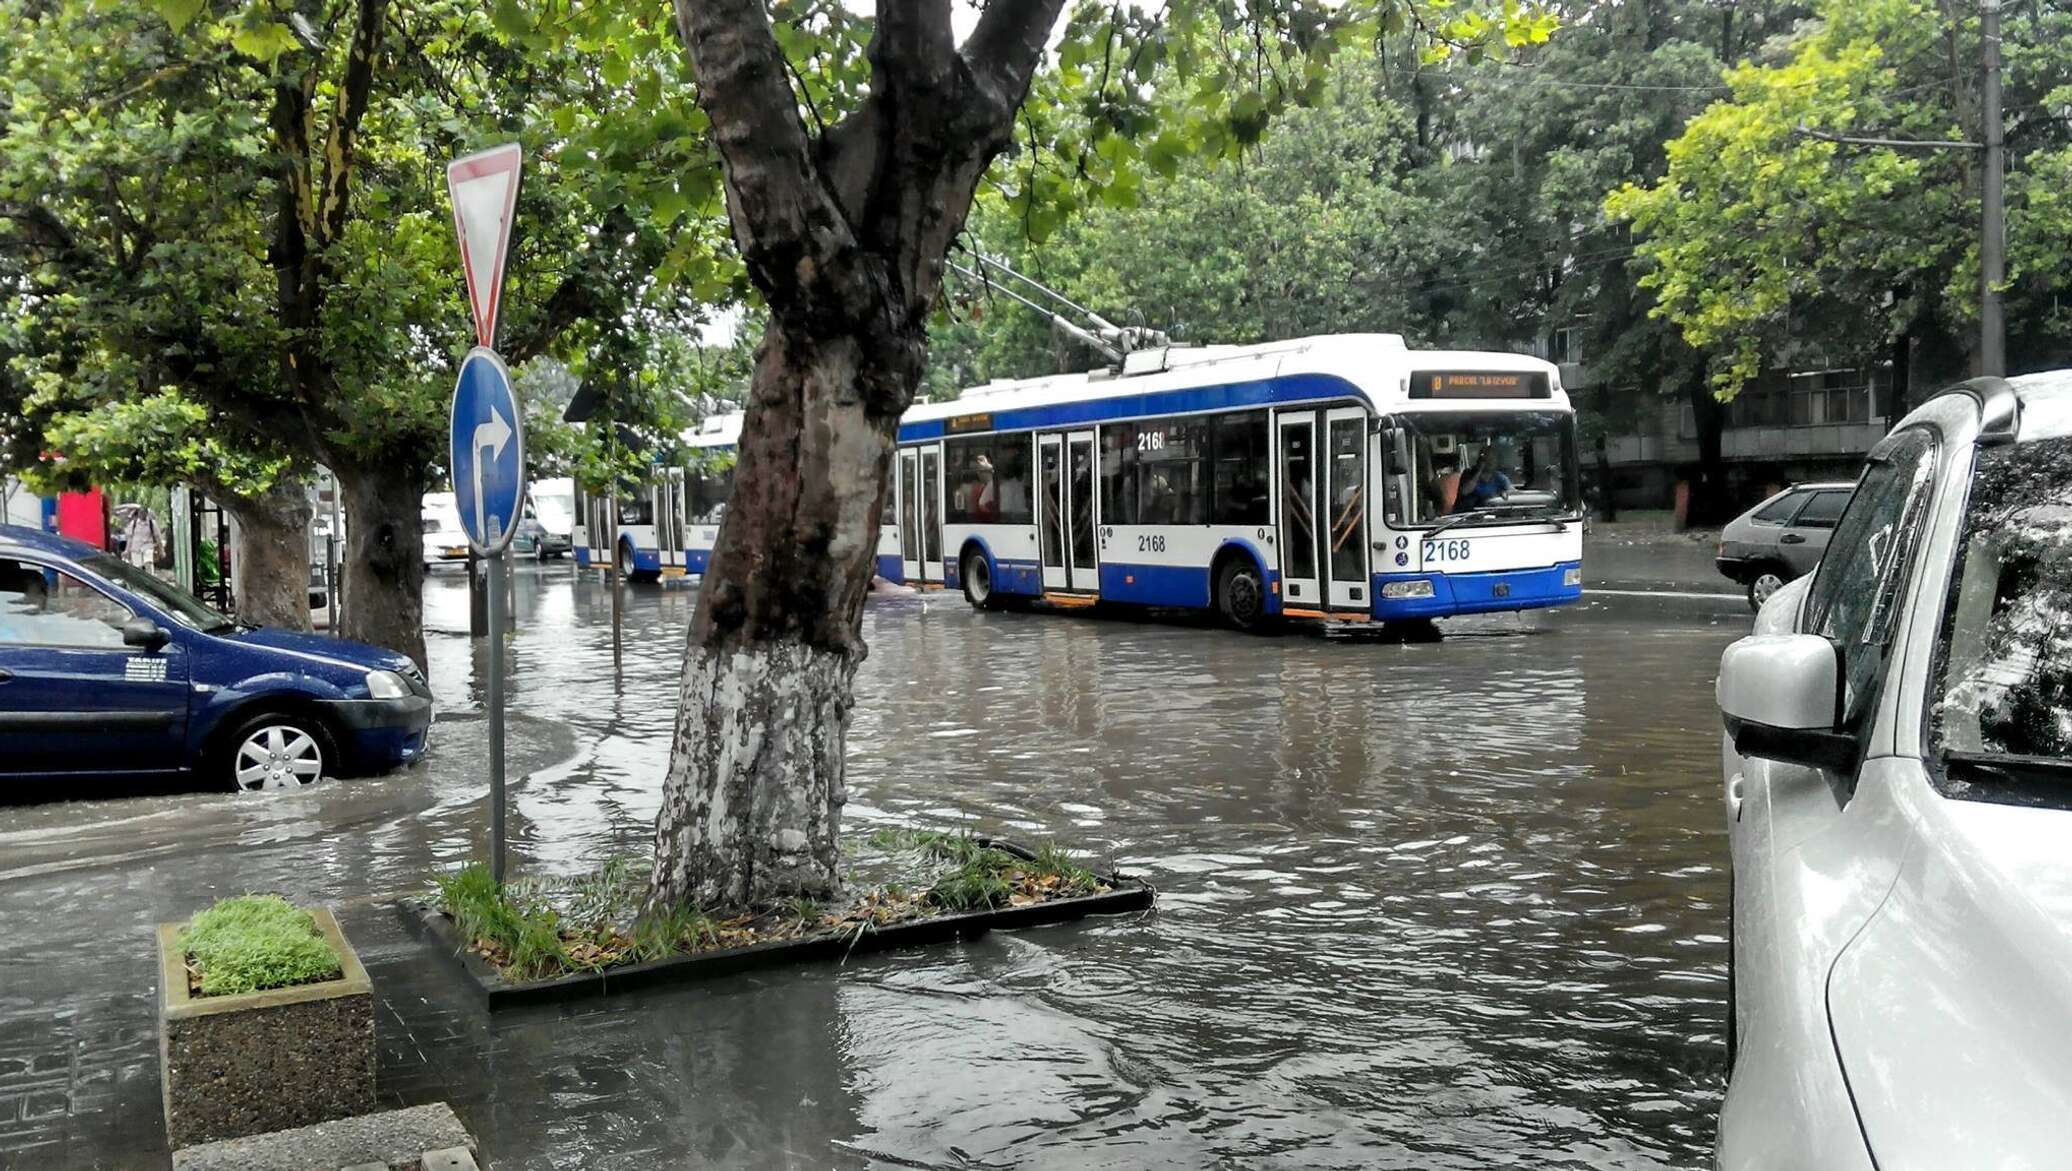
[{"x": 487, "y": 438}]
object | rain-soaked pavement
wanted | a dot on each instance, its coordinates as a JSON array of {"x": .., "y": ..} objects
[{"x": 1452, "y": 905}]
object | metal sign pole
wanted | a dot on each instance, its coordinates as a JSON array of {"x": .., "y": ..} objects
[{"x": 496, "y": 708}]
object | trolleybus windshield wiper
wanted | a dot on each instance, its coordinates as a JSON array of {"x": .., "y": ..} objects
[{"x": 1499, "y": 512}]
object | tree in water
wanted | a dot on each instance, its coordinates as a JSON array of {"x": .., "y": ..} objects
[{"x": 843, "y": 230}]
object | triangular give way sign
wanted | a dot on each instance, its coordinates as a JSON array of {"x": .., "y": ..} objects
[{"x": 484, "y": 188}]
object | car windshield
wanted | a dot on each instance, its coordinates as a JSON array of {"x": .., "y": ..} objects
[
  {"x": 1475, "y": 467},
  {"x": 2005, "y": 684},
  {"x": 185, "y": 608},
  {"x": 555, "y": 512}
]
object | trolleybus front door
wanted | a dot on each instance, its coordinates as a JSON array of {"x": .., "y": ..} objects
[
  {"x": 908, "y": 487},
  {"x": 1345, "y": 503},
  {"x": 1295, "y": 491}
]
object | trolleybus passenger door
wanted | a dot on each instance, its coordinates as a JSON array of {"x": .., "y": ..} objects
[
  {"x": 909, "y": 488},
  {"x": 1050, "y": 510},
  {"x": 931, "y": 513},
  {"x": 1345, "y": 503},
  {"x": 1295, "y": 495},
  {"x": 1085, "y": 569}
]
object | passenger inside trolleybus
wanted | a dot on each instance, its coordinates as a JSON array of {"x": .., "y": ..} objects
[{"x": 1483, "y": 467}]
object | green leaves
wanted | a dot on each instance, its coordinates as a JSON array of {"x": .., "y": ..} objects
[
  {"x": 178, "y": 13},
  {"x": 263, "y": 40}
]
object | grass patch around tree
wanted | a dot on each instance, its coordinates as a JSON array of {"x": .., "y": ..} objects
[
  {"x": 255, "y": 943},
  {"x": 539, "y": 928}
]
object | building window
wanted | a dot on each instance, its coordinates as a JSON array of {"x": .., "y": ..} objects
[{"x": 1566, "y": 346}]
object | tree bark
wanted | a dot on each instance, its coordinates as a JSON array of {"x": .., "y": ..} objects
[
  {"x": 1708, "y": 495},
  {"x": 384, "y": 557},
  {"x": 844, "y": 233},
  {"x": 269, "y": 557}
]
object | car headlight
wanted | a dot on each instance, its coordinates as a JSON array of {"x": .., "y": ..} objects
[
  {"x": 1421, "y": 588},
  {"x": 387, "y": 685},
  {"x": 1572, "y": 577}
]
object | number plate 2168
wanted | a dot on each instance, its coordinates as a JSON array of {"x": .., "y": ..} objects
[{"x": 1445, "y": 551}]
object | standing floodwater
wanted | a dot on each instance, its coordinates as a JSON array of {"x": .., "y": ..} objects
[{"x": 1452, "y": 905}]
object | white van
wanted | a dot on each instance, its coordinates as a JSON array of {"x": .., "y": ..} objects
[{"x": 444, "y": 539}]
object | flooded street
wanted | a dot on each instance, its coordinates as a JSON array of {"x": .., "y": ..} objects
[{"x": 1449, "y": 905}]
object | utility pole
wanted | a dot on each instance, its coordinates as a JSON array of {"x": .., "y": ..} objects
[{"x": 1992, "y": 247}]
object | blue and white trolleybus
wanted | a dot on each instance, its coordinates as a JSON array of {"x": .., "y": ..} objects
[{"x": 1343, "y": 478}]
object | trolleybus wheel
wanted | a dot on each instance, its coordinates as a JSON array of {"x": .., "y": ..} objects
[
  {"x": 1241, "y": 594},
  {"x": 978, "y": 581}
]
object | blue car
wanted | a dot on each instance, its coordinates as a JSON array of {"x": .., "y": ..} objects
[{"x": 107, "y": 671}]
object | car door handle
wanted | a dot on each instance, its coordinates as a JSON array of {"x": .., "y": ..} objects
[{"x": 1791, "y": 539}]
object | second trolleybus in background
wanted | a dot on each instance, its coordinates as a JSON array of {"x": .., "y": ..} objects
[{"x": 1341, "y": 477}]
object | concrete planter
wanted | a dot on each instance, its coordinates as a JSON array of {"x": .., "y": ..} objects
[{"x": 232, "y": 1066}]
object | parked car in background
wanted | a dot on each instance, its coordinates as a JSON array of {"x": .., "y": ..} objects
[
  {"x": 444, "y": 539},
  {"x": 106, "y": 670},
  {"x": 548, "y": 529},
  {"x": 1898, "y": 793},
  {"x": 1782, "y": 538}
]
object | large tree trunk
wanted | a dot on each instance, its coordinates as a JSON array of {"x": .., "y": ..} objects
[
  {"x": 1708, "y": 500},
  {"x": 269, "y": 557},
  {"x": 752, "y": 801},
  {"x": 384, "y": 557},
  {"x": 844, "y": 233}
]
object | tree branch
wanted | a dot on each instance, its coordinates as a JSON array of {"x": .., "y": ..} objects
[
  {"x": 343, "y": 142},
  {"x": 1003, "y": 50},
  {"x": 782, "y": 217}
]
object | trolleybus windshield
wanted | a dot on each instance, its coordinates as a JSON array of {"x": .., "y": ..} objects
[{"x": 1474, "y": 467}]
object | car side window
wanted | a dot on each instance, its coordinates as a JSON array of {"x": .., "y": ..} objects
[
  {"x": 1822, "y": 511},
  {"x": 42, "y": 606},
  {"x": 1779, "y": 511},
  {"x": 1855, "y": 590}
]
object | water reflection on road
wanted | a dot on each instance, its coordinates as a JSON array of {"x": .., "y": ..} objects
[
  {"x": 1450, "y": 904},
  {"x": 1453, "y": 905}
]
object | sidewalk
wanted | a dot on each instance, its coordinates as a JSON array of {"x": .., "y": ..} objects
[{"x": 1643, "y": 551}]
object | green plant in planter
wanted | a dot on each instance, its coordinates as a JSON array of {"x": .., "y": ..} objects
[{"x": 254, "y": 943}]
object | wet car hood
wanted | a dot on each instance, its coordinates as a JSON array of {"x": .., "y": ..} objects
[
  {"x": 1951, "y": 1008},
  {"x": 338, "y": 651}
]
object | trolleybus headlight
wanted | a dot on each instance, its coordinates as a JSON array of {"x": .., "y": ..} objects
[
  {"x": 1421, "y": 588},
  {"x": 1572, "y": 577}
]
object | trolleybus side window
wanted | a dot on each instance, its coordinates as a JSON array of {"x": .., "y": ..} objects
[
  {"x": 988, "y": 477},
  {"x": 709, "y": 490},
  {"x": 1240, "y": 480},
  {"x": 1160, "y": 474}
]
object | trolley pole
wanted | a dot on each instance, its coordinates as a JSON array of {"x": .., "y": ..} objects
[{"x": 1992, "y": 247}]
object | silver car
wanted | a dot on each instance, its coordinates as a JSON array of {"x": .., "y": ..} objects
[
  {"x": 1782, "y": 538},
  {"x": 1898, "y": 800}
]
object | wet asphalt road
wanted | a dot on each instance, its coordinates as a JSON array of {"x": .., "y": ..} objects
[{"x": 1452, "y": 905}]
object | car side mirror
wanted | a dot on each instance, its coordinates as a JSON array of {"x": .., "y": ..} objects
[
  {"x": 1781, "y": 696},
  {"x": 143, "y": 632}
]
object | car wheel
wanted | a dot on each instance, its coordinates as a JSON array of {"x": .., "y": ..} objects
[
  {"x": 1241, "y": 595},
  {"x": 274, "y": 751},
  {"x": 978, "y": 581},
  {"x": 1766, "y": 581}
]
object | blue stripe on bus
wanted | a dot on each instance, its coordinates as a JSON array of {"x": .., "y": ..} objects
[
  {"x": 1477, "y": 593},
  {"x": 1191, "y": 400},
  {"x": 889, "y": 568},
  {"x": 1156, "y": 585},
  {"x": 695, "y": 560},
  {"x": 582, "y": 556}
]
